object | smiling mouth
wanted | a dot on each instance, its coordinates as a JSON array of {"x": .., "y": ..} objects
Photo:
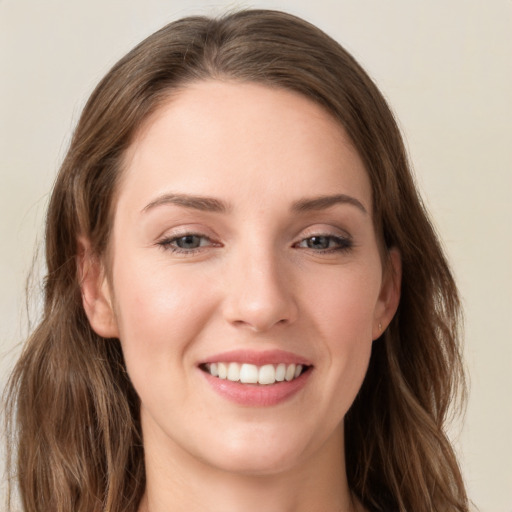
[{"x": 252, "y": 374}]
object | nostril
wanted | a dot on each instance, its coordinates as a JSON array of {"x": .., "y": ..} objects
[{"x": 260, "y": 324}]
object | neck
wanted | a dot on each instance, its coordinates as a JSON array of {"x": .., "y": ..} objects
[{"x": 176, "y": 481}]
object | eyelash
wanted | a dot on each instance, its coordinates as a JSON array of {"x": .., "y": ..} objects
[
  {"x": 342, "y": 244},
  {"x": 167, "y": 244}
]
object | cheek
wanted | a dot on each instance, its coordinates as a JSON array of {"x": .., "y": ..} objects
[
  {"x": 345, "y": 305},
  {"x": 344, "y": 317},
  {"x": 160, "y": 311}
]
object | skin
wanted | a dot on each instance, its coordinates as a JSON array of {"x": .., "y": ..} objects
[{"x": 258, "y": 281}]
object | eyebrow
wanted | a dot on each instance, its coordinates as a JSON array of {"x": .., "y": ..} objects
[
  {"x": 205, "y": 204},
  {"x": 210, "y": 204},
  {"x": 324, "y": 202}
]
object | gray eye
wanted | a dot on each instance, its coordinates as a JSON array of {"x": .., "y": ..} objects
[
  {"x": 188, "y": 242},
  {"x": 326, "y": 243},
  {"x": 319, "y": 242}
]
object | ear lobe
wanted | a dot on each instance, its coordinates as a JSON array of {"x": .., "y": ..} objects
[
  {"x": 389, "y": 296},
  {"x": 96, "y": 294}
]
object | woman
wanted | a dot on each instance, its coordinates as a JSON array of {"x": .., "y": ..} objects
[{"x": 246, "y": 305}]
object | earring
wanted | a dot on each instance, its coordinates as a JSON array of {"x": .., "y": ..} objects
[{"x": 380, "y": 327}]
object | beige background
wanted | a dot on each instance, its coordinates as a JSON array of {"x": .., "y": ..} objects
[{"x": 445, "y": 66}]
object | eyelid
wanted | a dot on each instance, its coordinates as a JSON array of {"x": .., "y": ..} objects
[
  {"x": 324, "y": 229},
  {"x": 166, "y": 242},
  {"x": 344, "y": 240},
  {"x": 343, "y": 243}
]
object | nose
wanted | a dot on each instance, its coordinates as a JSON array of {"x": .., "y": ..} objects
[{"x": 260, "y": 292}]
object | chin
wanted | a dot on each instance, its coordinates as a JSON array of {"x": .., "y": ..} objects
[
  {"x": 261, "y": 464},
  {"x": 262, "y": 453}
]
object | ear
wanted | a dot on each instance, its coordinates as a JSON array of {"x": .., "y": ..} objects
[
  {"x": 389, "y": 296},
  {"x": 96, "y": 293}
]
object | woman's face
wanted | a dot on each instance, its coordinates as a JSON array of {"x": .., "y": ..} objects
[{"x": 243, "y": 245}]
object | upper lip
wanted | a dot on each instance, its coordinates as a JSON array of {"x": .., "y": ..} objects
[{"x": 258, "y": 358}]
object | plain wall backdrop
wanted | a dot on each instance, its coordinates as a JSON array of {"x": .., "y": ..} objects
[{"x": 444, "y": 65}]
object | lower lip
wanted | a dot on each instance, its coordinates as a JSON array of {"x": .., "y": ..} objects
[{"x": 254, "y": 395}]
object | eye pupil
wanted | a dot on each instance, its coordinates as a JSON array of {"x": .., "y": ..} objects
[
  {"x": 188, "y": 242},
  {"x": 318, "y": 242}
]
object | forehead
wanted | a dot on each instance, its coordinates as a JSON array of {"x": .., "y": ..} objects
[{"x": 238, "y": 140}]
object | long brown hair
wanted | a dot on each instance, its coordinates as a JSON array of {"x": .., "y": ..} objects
[{"x": 72, "y": 411}]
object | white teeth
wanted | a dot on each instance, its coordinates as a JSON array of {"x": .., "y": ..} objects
[
  {"x": 249, "y": 374},
  {"x": 252, "y": 374},
  {"x": 233, "y": 372},
  {"x": 290, "y": 372},
  {"x": 223, "y": 370},
  {"x": 214, "y": 370},
  {"x": 267, "y": 374},
  {"x": 280, "y": 372}
]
